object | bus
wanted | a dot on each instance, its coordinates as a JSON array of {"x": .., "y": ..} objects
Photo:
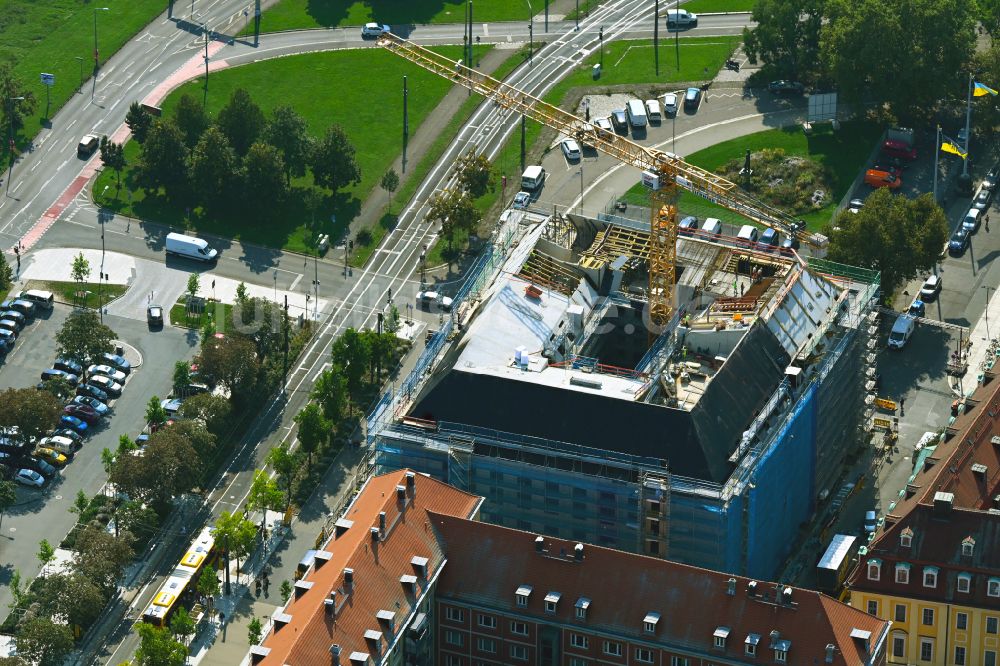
[
  {"x": 833, "y": 567},
  {"x": 179, "y": 586}
]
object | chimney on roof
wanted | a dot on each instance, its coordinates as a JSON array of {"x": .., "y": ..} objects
[
  {"x": 775, "y": 637},
  {"x": 752, "y": 588},
  {"x": 401, "y": 493},
  {"x": 335, "y": 655},
  {"x": 578, "y": 552},
  {"x": 942, "y": 504},
  {"x": 539, "y": 543},
  {"x": 731, "y": 587},
  {"x": 348, "y": 577},
  {"x": 381, "y": 522},
  {"x": 411, "y": 483},
  {"x": 979, "y": 470},
  {"x": 786, "y": 595},
  {"x": 374, "y": 531},
  {"x": 330, "y": 604},
  {"x": 830, "y": 650}
]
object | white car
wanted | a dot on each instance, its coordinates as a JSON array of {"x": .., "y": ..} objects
[
  {"x": 604, "y": 124},
  {"x": 374, "y": 30},
  {"x": 426, "y": 299},
  {"x": 522, "y": 200},
  {"x": 982, "y": 200},
  {"x": 571, "y": 149},
  {"x": 30, "y": 477},
  {"x": 107, "y": 371},
  {"x": 670, "y": 104}
]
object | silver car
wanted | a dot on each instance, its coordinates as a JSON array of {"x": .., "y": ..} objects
[{"x": 107, "y": 371}]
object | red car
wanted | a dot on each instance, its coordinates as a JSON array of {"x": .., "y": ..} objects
[{"x": 82, "y": 412}]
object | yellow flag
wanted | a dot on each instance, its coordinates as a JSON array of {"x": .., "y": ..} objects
[
  {"x": 981, "y": 89},
  {"x": 952, "y": 148}
]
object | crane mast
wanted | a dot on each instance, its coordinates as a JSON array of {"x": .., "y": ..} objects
[{"x": 669, "y": 170}]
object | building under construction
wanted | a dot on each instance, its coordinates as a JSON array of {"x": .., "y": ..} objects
[{"x": 707, "y": 440}]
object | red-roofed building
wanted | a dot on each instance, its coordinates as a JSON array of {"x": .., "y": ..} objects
[
  {"x": 933, "y": 568},
  {"x": 430, "y": 584}
]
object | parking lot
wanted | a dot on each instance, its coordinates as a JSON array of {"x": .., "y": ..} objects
[{"x": 45, "y": 513}]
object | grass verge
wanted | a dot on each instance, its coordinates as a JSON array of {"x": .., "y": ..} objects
[
  {"x": 842, "y": 152},
  {"x": 214, "y": 311},
  {"x": 696, "y": 6},
  {"x": 81, "y": 294}
]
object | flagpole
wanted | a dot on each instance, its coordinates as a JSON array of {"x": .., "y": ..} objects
[
  {"x": 937, "y": 156},
  {"x": 968, "y": 129}
]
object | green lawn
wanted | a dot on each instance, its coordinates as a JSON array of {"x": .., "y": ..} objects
[
  {"x": 86, "y": 294},
  {"x": 214, "y": 310},
  {"x": 697, "y": 6},
  {"x": 842, "y": 152},
  {"x": 48, "y": 35},
  {"x": 338, "y": 89},
  {"x": 306, "y": 14}
]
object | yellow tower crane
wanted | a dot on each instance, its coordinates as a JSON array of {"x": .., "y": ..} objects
[{"x": 663, "y": 171}]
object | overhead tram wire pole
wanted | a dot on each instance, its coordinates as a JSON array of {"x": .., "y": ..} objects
[
  {"x": 10, "y": 137},
  {"x": 986, "y": 310},
  {"x": 97, "y": 56},
  {"x": 80, "y": 58},
  {"x": 531, "y": 34},
  {"x": 656, "y": 36}
]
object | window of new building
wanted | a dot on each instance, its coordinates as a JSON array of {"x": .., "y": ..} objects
[
  {"x": 926, "y": 649},
  {"x": 961, "y": 621},
  {"x": 452, "y": 660},
  {"x": 930, "y": 576},
  {"x": 900, "y": 614},
  {"x": 874, "y": 569},
  {"x": 928, "y": 617},
  {"x": 644, "y": 655},
  {"x": 872, "y": 607},
  {"x": 959, "y": 655},
  {"x": 899, "y": 645},
  {"x": 519, "y": 628},
  {"x": 487, "y": 621},
  {"x": 903, "y": 573},
  {"x": 454, "y": 614},
  {"x": 964, "y": 582},
  {"x": 990, "y": 658},
  {"x": 652, "y": 547},
  {"x": 519, "y": 652},
  {"x": 991, "y": 625},
  {"x": 613, "y": 648},
  {"x": 993, "y": 587},
  {"x": 579, "y": 641},
  {"x": 487, "y": 645},
  {"x": 678, "y": 661},
  {"x": 454, "y": 638}
]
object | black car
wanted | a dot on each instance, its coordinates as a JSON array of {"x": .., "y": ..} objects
[
  {"x": 619, "y": 121},
  {"x": 26, "y": 308},
  {"x": 154, "y": 316},
  {"x": 15, "y": 316},
  {"x": 692, "y": 99},
  {"x": 68, "y": 365},
  {"x": 52, "y": 373},
  {"x": 92, "y": 391},
  {"x": 9, "y": 325},
  {"x": 783, "y": 87},
  {"x": 71, "y": 434},
  {"x": 959, "y": 241}
]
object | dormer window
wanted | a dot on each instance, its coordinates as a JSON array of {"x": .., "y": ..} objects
[
  {"x": 582, "y": 604},
  {"x": 968, "y": 546},
  {"x": 720, "y": 636},
  {"x": 521, "y": 595},
  {"x": 930, "y": 576},
  {"x": 781, "y": 651},
  {"x": 649, "y": 622},
  {"x": 902, "y": 573},
  {"x": 750, "y": 645},
  {"x": 551, "y": 601},
  {"x": 874, "y": 569},
  {"x": 964, "y": 582},
  {"x": 906, "y": 538}
]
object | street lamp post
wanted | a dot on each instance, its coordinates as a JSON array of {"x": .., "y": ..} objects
[
  {"x": 986, "y": 311},
  {"x": 531, "y": 33},
  {"x": 581, "y": 187},
  {"x": 80, "y": 58},
  {"x": 600, "y": 35},
  {"x": 10, "y": 137},
  {"x": 97, "y": 56}
]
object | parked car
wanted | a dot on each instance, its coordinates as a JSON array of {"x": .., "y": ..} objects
[
  {"x": 106, "y": 384},
  {"x": 92, "y": 391},
  {"x": 16, "y": 316},
  {"x": 917, "y": 308},
  {"x": 783, "y": 87},
  {"x": 619, "y": 121},
  {"x": 51, "y": 456},
  {"x": 688, "y": 226},
  {"x": 171, "y": 405},
  {"x": 604, "y": 124},
  {"x": 571, "y": 149},
  {"x": 901, "y": 331},
  {"x": 74, "y": 423},
  {"x": 115, "y": 361},
  {"x": 878, "y": 178},
  {"x": 959, "y": 241},
  {"x": 40, "y": 465},
  {"x": 52, "y": 373},
  {"x": 373, "y": 30},
  {"x": 107, "y": 371},
  {"x": 154, "y": 316},
  {"x": 982, "y": 200},
  {"x": 871, "y": 521},
  {"x": 9, "y": 337},
  {"x": 425, "y": 299},
  {"x": 670, "y": 104},
  {"x": 692, "y": 98},
  {"x": 83, "y": 412},
  {"x": 93, "y": 403},
  {"x": 25, "y": 307},
  {"x": 931, "y": 288},
  {"x": 681, "y": 19},
  {"x": 10, "y": 325},
  {"x": 29, "y": 477},
  {"x": 522, "y": 200},
  {"x": 68, "y": 365},
  {"x": 67, "y": 433},
  {"x": 769, "y": 240},
  {"x": 991, "y": 179},
  {"x": 856, "y": 205}
]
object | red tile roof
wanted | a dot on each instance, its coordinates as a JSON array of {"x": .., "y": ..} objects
[
  {"x": 307, "y": 637},
  {"x": 623, "y": 587}
]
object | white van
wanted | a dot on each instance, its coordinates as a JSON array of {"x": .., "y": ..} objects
[
  {"x": 63, "y": 445},
  {"x": 748, "y": 233},
  {"x": 901, "y": 331},
  {"x": 681, "y": 18},
  {"x": 190, "y": 247},
  {"x": 711, "y": 228},
  {"x": 636, "y": 112},
  {"x": 533, "y": 178},
  {"x": 653, "y": 111},
  {"x": 43, "y": 299}
]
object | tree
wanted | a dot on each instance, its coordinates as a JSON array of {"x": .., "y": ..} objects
[
  {"x": 314, "y": 429},
  {"x": 158, "y": 648},
  {"x": 75, "y": 597},
  {"x": 897, "y": 236},
  {"x": 906, "y": 78},
  {"x": 286, "y": 591},
  {"x": 83, "y": 337},
  {"x": 137, "y": 518},
  {"x": 208, "y": 582},
  {"x": 241, "y": 120},
  {"x": 264, "y": 179},
  {"x": 80, "y": 271},
  {"x": 6, "y": 274},
  {"x": 333, "y": 161},
  {"x": 107, "y": 459},
  {"x": 102, "y": 557},
  {"x": 46, "y": 553},
  {"x": 43, "y": 642},
  {"x": 986, "y": 64},
  {"x": 156, "y": 415},
  {"x": 214, "y": 170},
  {"x": 28, "y": 414},
  {"x": 160, "y": 157},
  {"x": 230, "y": 361},
  {"x": 286, "y": 468},
  {"x": 989, "y": 16},
  {"x": 191, "y": 119},
  {"x": 350, "y": 353},
  {"x": 113, "y": 157},
  {"x": 182, "y": 377},
  {"x": 455, "y": 211},
  {"x": 170, "y": 466},
  {"x": 138, "y": 121},
  {"x": 8, "y": 497},
  {"x": 81, "y": 503},
  {"x": 289, "y": 133},
  {"x": 254, "y": 631},
  {"x": 208, "y": 409},
  {"x": 12, "y": 87},
  {"x": 193, "y": 285},
  {"x": 786, "y": 37},
  {"x": 330, "y": 391},
  {"x": 391, "y": 324},
  {"x": 58, "y": 387},
  {"x": 236, "y": 534},
  {"x": 198, "y": 437},
  {"x": 182, "y": 624},
  {"x": 264, "y": 496},
  {"x": 125, "y": 444},
  {"x": 382, "y": 346},
  {"x": 263, "y": 322},
  {"x": 475, "y": 173},
  {"x": 390, "y": 183}
]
